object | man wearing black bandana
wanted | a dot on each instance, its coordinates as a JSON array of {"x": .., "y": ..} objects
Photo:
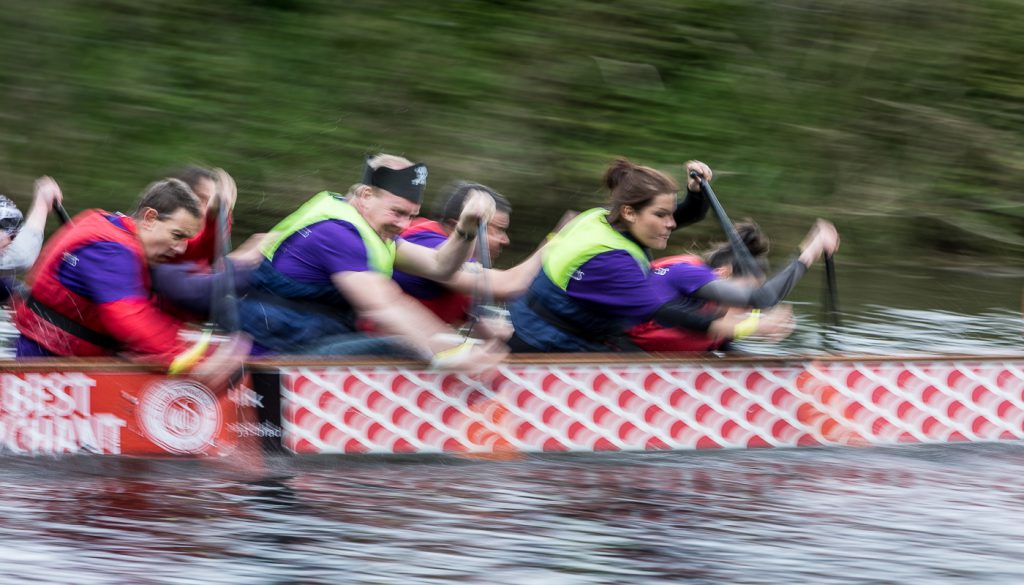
[{"x": 331, "y": 262}]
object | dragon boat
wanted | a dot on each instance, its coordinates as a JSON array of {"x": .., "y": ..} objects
[{"x": 551, "y": 403}]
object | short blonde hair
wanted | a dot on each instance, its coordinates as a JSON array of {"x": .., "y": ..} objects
[{"x": 389, "y": 161}]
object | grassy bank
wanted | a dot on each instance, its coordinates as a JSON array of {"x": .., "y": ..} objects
[{"x": 901, "y": 120}]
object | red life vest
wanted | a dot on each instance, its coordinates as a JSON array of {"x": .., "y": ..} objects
[
  {"x": 89, "y": 227},
  {"x": 202, "y": 248},
  {"x": 652, "y": 337},
  {"x": 451, "y": 307},
  {"x": 691, "y": 259},
  {"x": 422, "y": 224}
]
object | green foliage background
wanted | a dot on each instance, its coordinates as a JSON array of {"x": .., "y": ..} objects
[{"x": 901, "y": 120}]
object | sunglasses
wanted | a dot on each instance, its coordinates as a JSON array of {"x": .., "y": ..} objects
[{"x": 10, "y": 225}]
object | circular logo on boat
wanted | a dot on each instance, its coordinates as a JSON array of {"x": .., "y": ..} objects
[{"x": 180, "y": 416}]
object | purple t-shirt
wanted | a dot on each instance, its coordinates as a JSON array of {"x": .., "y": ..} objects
[
  {"x": 681, "y": 279},
  {"x": 417, "y": 286},
  {"x": 103, "y": 272},
  {"x": 312, "y": 254},
  {"x": 616, "y": 282}
]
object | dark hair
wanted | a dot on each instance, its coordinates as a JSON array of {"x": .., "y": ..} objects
[
  {"x": 634, "y": 185},
  {"x": 192, "y": 174},
  {"x": 721, "y": 254},
  {"x": 167, "y": 196},
  {"x": 453, "y": 197}
]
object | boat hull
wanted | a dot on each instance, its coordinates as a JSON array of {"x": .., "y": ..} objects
[
  {"x": 551, "y": 404},
  {"x": 114, "y": 410},
  {"x": 651, "y": 406}
]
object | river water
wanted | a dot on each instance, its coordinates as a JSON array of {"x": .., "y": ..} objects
[
  {"x": 935, "y": 514},
  {"x": 915, "y": 514}
]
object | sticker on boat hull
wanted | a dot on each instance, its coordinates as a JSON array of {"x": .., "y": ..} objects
[{"x": 180, "y": 416}]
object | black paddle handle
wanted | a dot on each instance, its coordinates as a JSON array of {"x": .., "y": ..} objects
[
  {"x": 482, "y": 298},
  {"x": 484, "y": 256},
  {"x": 224, "y": 306},
  {"x": 739, "y": 249},
  {"x": 831, "y": 292},
  {"x": 62, "y": 214}
]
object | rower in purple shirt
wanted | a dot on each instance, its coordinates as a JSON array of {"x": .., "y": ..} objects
[
  {"x": 451, "y": 300},
  {"x": 595, "y": 278},
  {"x": 720, "y": 283},
  {"x": 320, "y": 250},
  {"x": 330, "y": 263}
]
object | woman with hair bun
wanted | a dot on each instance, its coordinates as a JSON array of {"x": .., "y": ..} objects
[{"x": 594, "y": 282}]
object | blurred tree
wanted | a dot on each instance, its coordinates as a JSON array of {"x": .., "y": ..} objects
[{"x": 900, "y": 120}]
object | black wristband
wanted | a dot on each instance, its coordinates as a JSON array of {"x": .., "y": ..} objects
[{"x": 465, "y": 235}]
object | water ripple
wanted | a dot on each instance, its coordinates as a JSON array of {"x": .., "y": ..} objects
[
  {"x": 911, "y": 515},
  {"x": 916, "y": 514}
]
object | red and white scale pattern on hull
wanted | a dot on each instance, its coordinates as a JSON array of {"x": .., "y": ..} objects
[{"x": 534, "y": 408}]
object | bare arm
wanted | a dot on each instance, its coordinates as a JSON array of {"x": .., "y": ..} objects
[
  {"x": 379, "y": 299},
  {"x": 227, "y": 193},
  {"x": 442, "y": 263},
  {"x": 505, "y": 284},
  {"x": 439, "y": 264},
  {"x": 45, "y": 193},
  {"x": 24, "y": 250}
]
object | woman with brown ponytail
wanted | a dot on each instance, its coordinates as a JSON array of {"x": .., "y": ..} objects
[{"x": 595, "y": 280}]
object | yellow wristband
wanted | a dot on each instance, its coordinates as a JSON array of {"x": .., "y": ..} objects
[
  {"x": 447, "y": 357},
  {"x": 748, "y": 326},
  {"x": 191, "y": 356}
]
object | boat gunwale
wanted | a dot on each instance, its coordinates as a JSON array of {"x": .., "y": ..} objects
[{"x": 268, "y": 365}]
